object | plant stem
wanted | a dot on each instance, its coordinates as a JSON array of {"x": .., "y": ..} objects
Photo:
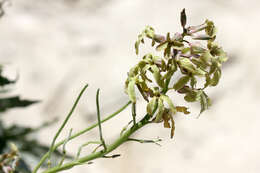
[
  {"x": 99, "y": 122},
  {"x": 66, "y": 120},
  {"x": 80, "y": 133},
  {"x": 102, "y": 153}
]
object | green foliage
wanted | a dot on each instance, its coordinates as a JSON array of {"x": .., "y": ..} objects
[
  {"x": 12, "y": 102},
  {"x": 17, "y": 134}
]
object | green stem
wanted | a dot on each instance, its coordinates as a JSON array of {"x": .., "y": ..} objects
[
  {"x": 99, "y": 121},
  {"x": 66, "y": 120},
  {"x": 78, "y": 134},
  {"x": 134, "y": 113},
  {"x": 100, "y": 154}
]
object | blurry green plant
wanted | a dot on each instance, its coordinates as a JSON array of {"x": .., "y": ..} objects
[
  {"x": 152, "y": 77},
  {"x": 16, "y": 134}
]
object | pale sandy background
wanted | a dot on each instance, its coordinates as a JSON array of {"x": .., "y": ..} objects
[{"x": 59, "y": 45}]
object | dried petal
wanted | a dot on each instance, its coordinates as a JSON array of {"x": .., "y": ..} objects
[{"x": 182, "y": 109}]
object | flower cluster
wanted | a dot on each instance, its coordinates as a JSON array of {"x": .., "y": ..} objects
[{"x": 181, "y": 52}]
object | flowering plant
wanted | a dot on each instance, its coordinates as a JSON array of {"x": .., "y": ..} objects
[{"x": 182, "y": 54}]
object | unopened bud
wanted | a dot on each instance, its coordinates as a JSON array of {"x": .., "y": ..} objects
[
  {"x": 201, "y": 36},
  {"x": 183, "y": 18},
  {"x": 159, "y": 38},
  {"x": 194, "y": 29}
]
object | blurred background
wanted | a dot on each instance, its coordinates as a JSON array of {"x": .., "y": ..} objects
[{"x": 57, "y": 46}]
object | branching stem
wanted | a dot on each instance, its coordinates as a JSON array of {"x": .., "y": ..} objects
[
  {"x": 101, "y": 154},
  {"x": 52, "y": 148},
  {"x": 79, "y": 134}
]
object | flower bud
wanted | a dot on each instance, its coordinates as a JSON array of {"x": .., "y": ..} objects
[
  {"x": 201, "y": 36},
  {"x": 194, "y": 29},
  {"x": 159, "y": 38}
]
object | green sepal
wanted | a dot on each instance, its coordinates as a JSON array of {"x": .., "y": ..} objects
[
  {"x": 151, "y": 106},
  {"x": 149, "y": 32},
  {"x": 185, "y": 50},
  {"x": 193, "y": 81},
  {"x": 131, "y": 91},
  {"x": 188, "y": 65},
  {"x": 181, "y": 82},
  {"x": 160, "y": 112},
  {"x": 162, "y": 46},
  {"x": 169, "y": 102},
  {"x": 167, "y": 51},
  {"x": 157, "y": 75},
  {"x": 178, "y": 45},
  {"x": 206, "y": 57},
  {"x": 210, "y": 28},
  {"x": 199, "y": 63},
  {"x": 204, "y": 102},
  {"x": 215, "y": 78},
  {"x": 192, "y": 96},
  {"x": 208, "y": 80}
]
